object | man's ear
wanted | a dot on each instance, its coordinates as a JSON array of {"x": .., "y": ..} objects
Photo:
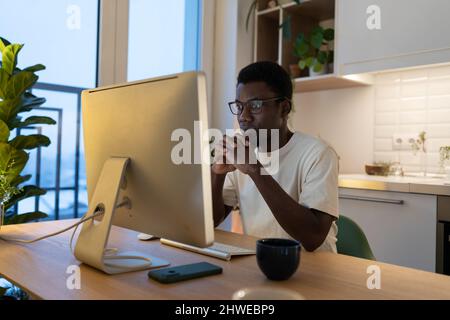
[{"x": 286, "y": 107}]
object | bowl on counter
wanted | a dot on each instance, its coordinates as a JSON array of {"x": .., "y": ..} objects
[{"x": 377, "y": 169}]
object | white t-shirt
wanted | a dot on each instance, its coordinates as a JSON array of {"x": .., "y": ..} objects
[{"x": 308, "y": 172}]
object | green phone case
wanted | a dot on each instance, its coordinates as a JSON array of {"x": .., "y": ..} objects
[{"x": 185, "y": 272}]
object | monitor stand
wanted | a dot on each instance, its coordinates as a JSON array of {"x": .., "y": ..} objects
[{"x": 93, "y": 238}]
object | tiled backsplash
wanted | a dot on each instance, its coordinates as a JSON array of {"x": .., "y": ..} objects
[{"x": 408, "y": 102}]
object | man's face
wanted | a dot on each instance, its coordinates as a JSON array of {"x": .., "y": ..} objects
[{"x": 271, "y": 115}]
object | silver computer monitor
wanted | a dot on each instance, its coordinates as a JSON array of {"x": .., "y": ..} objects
[{"x": 136, "y": 121}]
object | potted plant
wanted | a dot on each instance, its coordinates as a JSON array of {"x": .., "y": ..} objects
[
  {"x": 314, "y": 51},
  {"x": 15, "y": 100},
  {"x": 444, "y": 157},
  {"x": 418, "y": 145},
  {"x": 294, "y": 70}
]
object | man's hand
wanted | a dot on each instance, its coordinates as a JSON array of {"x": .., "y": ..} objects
[
  {"x": 220, "y": 162},
  {"x": 233, "y": 153},
  {"x": 222, "y": 168}
]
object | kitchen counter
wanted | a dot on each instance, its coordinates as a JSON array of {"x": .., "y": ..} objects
[{"x": 411, "y": 184}]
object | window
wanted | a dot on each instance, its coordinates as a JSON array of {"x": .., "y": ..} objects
[
  {"x": 163, "y": 37},
  {"x": 62, "y": 35}
]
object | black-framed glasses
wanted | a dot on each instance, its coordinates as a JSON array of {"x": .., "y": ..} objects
[{"x": 255, "y": 105}]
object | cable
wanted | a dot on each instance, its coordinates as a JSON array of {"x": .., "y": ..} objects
[
  {"x": 94, "y": 215},
  {"x": 109, "y": 253},
  {"x": 76, "y": 228}
]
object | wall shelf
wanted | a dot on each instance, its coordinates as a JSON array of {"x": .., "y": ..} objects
[
  {"x": 274, "y": 12},
  {"x": 331, "y": 81},
  {"x": 271, "y": 45},
  {"x": 317, "y": 9}
]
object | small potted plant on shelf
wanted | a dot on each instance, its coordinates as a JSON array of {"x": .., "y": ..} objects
[
  {"x": 444, "y": 155},
  {"x": 272, "y": 4},
  {"x": 314, "y": 51}
]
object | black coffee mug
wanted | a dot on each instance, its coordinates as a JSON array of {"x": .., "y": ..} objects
[{"x": 278, "y": 259}]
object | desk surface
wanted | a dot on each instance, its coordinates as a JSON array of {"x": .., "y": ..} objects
[{"x": 40, "y": 268}]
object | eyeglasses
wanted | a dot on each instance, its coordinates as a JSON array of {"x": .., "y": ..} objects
[{"x": 255, "y": 106}]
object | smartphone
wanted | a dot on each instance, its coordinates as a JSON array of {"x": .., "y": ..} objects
[{"x": 185, "y": 272}]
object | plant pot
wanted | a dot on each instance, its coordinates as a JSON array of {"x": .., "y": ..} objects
[
  {"x": 295, "y": 70},
  {"x": 312, "y": 73},
  {"x": 272, "y": 4},
  {"x": 330, "y": 68}
]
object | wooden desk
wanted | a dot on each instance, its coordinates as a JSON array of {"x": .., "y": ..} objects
[{"x": 40, "y": 268}]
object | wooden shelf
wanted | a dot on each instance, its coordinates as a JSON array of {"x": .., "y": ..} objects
[
  {"x": 268, "y": 30},
  {"x": 271, "y": 12},
  {"x": 331, "y": 81},
  {"x": 270, "y": 44},
  {"x": 315, "y": 9}
]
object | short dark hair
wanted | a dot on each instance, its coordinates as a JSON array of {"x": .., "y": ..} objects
[{"x": 269, "y": 72}]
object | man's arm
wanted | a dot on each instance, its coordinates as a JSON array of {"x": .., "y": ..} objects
[
  {"x": 219, "y": 170},
  {"x": 220, "y": 210},
  {"x": 309, "y": 226}
]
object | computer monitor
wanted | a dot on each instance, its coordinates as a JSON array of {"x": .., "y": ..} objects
[{"x": 128, "y": 150}]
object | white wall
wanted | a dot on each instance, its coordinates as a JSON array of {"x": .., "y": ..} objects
[
  {"x": 207, "y": 49},
  {"x": 344, "y": 118},
  {"x": 408, "y": 102},
  {"x": 225, "y": 46},
  {"x": 224, "y": 54},
  {"x": 360, "y": 122}
]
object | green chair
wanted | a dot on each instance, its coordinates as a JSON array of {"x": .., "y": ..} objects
[{"x": 351, "y": 239}]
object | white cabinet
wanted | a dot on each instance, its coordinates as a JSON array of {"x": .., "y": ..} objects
[
  {"x": 375, "y": 35},
  {"x": 400, "y": 227}
]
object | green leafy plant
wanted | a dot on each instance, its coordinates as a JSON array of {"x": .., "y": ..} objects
[
  {"x": 419, "y": 143},
  {"x": 212, "y": 150},
  {"x": 444, "y": 155},
  {"x": 16, "y": 99},
  {"x": 308, "y": 48}
]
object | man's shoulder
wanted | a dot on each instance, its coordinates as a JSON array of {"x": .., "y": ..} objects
[
  {"x": 310, "y": 149},
  {"x": 311, "y": 144}
]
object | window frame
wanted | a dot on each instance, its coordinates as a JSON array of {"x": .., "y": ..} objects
[{"x": 112, "y": 60}]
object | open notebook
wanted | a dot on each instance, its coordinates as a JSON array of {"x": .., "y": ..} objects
[{"x": 217, "y": 250}]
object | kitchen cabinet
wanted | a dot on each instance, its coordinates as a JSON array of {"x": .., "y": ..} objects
[
  {"x": 400, "y": 227},
  {"x": 375, "y": 35}
]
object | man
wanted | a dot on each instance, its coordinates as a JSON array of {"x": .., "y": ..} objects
[{"x": 299, "y": 200}]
